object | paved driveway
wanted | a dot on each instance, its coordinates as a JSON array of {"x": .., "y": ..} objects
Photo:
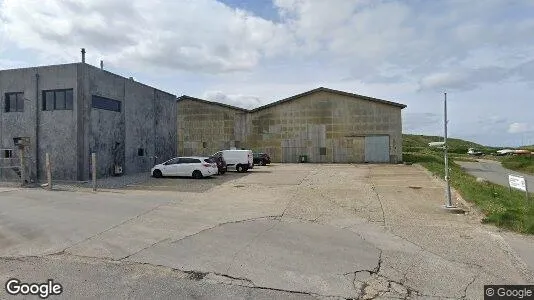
[
  {"x": 493, "y": 171},
  {"x": 283, "y": 231}
]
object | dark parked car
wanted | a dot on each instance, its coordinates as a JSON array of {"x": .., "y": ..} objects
[
  {"x": 221, "y": 164},
  {"x": 262, "y": 159}
]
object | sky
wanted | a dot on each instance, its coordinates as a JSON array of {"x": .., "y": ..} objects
[{"x": 251, "y": 52}]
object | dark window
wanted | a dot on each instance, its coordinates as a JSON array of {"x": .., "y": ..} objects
[
  {"x": 194, "y": 161},
  {"x": 14, "y": 102},
  {"x": 173, "y": 161},
  {"x": 48, "y": 101},
  {"x": 184, "y": 160},
  {"x": 322, "y": 151},
  {"x": 210, "y": 160},
  {"x": 8, "y": 153},
  {"x": 140, "y": 152},
  {"x": 204, "y": 145},
  {"x": 58, "y": 100},
  {"x": 68, "y": 99},
  {"x": 106, "y": 104}
]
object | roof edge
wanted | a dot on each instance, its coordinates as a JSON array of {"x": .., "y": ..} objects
[
  {"x": 323, "y": 89},
  {"x": 185, "y": 97}
]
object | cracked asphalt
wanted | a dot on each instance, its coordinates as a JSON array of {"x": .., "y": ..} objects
[{"x": 295, "y": 231}]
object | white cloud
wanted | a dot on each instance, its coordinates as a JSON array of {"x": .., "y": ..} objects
[
  {"x": 200, "y": 35},
  {"x": 371, "y": 40},
  {"x": 519, "y": 128},
  {"x": 243, "y": 101}
]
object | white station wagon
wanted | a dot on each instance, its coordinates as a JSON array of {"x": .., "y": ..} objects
[{"x": 194, "y": 166}]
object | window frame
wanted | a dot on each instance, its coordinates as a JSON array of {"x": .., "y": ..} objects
[
  {"x": 7, "y": 153},
  {"x": 105, "y": 103},
  {"x": 68, "y": 103},
  {"x": 7, "y": 102}
]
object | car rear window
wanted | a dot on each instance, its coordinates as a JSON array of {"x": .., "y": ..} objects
[{"x": 209, "y": 160}]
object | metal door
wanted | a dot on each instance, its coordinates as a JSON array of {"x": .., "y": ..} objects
[{"x": 377, "y": 149}]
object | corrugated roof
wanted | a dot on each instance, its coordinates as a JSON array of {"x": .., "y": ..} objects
[
  {"x": 323, "y": 89},
  {"x": 320, "y": 89}
]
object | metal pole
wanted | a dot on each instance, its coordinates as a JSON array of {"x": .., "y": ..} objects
[
  {"x": 48, "y": 172},
  {"x": 446, "y": 157},
  {"x": 93, "y": 171},
  {"x": 22, "y": 166}
]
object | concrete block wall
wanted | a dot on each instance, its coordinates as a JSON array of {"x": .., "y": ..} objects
[
  {"x": 204, "y": 128},
  {"x": 325, "y": 120},
  {"x": 56, "y": 130},
  {"x": 302, "y": 126},
  {"x": 147, "y": 120},
  {"x": 165, "y": 126}
]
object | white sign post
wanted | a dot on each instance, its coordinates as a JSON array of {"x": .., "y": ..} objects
[{"x": 518, "y": 182}]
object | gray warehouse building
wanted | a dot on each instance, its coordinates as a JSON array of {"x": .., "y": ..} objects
[
  {"x": 73, "y": 110},
  {"x": 323, "y": 125}
]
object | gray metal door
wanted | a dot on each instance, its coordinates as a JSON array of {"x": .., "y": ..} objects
[{"x": 377, "y": 149}]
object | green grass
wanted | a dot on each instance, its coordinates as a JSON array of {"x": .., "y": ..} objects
[
  {"x": 503, "y": 208},
  {"x": 519, "y": 163},
  {"x": 416, "y": 143}
]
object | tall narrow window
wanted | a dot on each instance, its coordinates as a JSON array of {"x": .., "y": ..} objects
[
  {"x": 8, "y": 153},
  {"x": 14, "y": 102},
  {"x": 69, "y": 98}
]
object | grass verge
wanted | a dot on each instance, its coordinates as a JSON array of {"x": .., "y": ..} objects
[
  {"x": 524, "y": 164},
  {"x": 501, "y": 207}
]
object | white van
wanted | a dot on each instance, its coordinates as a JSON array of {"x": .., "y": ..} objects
[{"x": 240, "y": 160}]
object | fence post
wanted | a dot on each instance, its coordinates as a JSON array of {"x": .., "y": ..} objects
[
  {"x": 93, "y": 171},
  {"x": 48, "y": 171}
]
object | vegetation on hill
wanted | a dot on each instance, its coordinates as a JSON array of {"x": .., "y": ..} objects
[
  {"x": 501, "y": 207},
  {"x": 415, "y": 143}
]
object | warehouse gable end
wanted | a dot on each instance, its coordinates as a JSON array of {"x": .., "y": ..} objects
[{"x": 322, "y": 125}]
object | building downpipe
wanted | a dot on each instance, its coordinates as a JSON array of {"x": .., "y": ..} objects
[{"x": 37, "y": 126}]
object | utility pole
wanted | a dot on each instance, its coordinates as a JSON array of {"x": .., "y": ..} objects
[{"x": 446, "y": 157}]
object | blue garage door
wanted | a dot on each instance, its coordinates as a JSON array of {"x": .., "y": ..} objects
[{"x": 377, "y": 149}]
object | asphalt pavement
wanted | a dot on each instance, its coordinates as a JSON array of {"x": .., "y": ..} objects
[
  {"x": 299, "y": 231},
  {"x": 494, "y": 172}
]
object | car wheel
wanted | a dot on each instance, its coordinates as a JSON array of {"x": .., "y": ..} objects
[
  {"x": 157, "y": 174},
  {"x": 240, "y": 168},
  {"x": 263, "y": 163},
  {"x": 197, "y": 174}
]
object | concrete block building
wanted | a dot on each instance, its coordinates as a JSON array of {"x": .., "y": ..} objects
[
  {"x": 325, "y": 125},
  {"x": 205, "y": 127},
  {"x": 72, "y": 110}
]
